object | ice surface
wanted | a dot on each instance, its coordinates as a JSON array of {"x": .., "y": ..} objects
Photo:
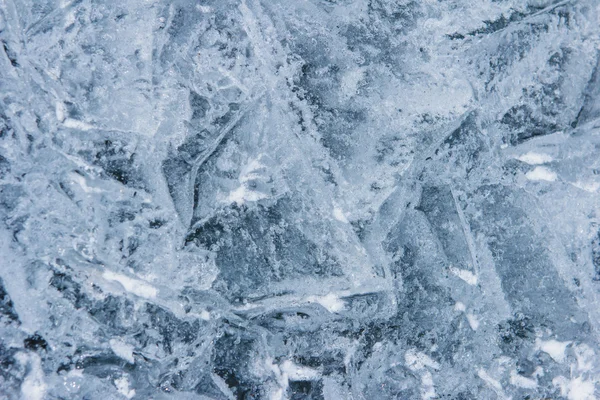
[{"x": 320, "y": 199}]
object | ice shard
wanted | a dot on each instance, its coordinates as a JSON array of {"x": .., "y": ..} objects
[{"x": 319, "y": 199}]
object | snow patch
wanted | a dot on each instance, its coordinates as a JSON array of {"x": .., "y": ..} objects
[
  {"x": 349, "y": 82},
  {"x": 553, "y": 348},
  {"x": 123, "y": 350},
  {"x": 205, "y": 315},
  {"x": 122, "y": 385},
  {"x": 591, "y": 187},
  {"x": 575, "y": 389},
  {"x": 297, "y": 372},
  {"x": 473, "y": 321},
  {"x": 242, "y": 195},
  {"x": 465, "y": 275},
  {"x": 331, "y": 302},
  {"x": 81, "y": 181},
  {"x": 417, "y": 361},
  {"x": 339, "y": 215},
  {"x": 285, "y": 372},
  {"x": 585, "y": 357},
  {"x": 521, "y": 381},
  {"x": 75, "y": 124},
  {"x": 533, "y": 158},
  {"x": 246, "y": 193},
  {"x": 61, "y": 111},
  {"x": 204, "y": 9},
  {"x": 492, "y": 383},
  {"x": 34, "y": 386},
  {"x": 541, "y": 174},
  {"x": 131, "y": 285}
]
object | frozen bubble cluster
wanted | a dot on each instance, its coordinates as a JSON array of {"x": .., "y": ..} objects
[{"x": 299, "y": 199}]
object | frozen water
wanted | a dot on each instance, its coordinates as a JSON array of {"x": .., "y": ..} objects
[{"x": 320, "y": 199}]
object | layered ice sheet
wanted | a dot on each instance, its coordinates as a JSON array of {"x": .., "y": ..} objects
[{"x": 319, "y": 199}]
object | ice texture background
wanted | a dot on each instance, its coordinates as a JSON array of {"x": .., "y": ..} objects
[{"x": 299, "y": 199}]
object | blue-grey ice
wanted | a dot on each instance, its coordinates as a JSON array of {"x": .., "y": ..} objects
[{"x": 299, "y": 199}]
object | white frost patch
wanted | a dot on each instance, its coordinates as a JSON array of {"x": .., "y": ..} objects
[
  {"x": 521, "y": 381},
  {"x": 205, "y": 315},
  {"x": 75, "y": 124},
  {"x": 541, "y": 174},
  {"x": 575, "y": 389},
  {"x": 73, "y": 380},
  {"x": 283, "y": 374},
  {"x": 269, "y": 367},
  {"x": 427, "y": 388},
  {"x": 465, "y": 275},
  {"x": 591, "y": 187},
  {"x": 417, "y": 361},
  {"x": 134, "y": 286},
  {"x": 339, "y": 215},
  {"x": 61, "y": 111},
  {"x": 69, "y": 19},
  {"x": 33, "y": 386},
  {"x": 277, "y": 394},
  {"x": 492, "y": 383},
  {"x": 533, "y": 158},
  {"x": 298, "y": 372},
  {"x": 458, "y": 306},
  {"x": 349, "y": 82},
  {"x": 122, "y": 385},
  {"x": 554, "y": 348},
  {"x": 331, "y": 302},
  {"x": 250, "y": 171},
  {"x": 80, "y": 180},
  {"x": 585, "y": 357},
  {"x": 473, "y": 321},
  {"x": 204, "y": 9},
  {"x": 123, "y": 350},
  {"x": 245, "y": 192},
  {"x": 75, "y": 373}
]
